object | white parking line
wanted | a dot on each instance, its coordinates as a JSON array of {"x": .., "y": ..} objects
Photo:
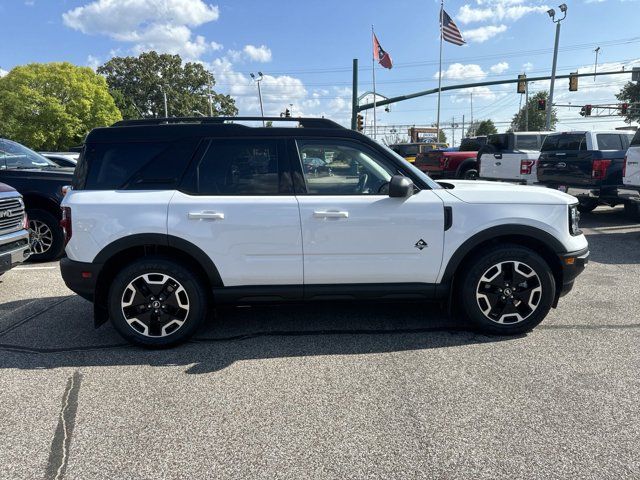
[{"x": 34, "y": 268}]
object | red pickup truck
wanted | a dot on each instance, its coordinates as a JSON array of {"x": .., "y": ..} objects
[{"x": 459, "y": 163}]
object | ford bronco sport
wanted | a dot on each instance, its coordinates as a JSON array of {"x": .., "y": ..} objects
[{"x": 167, "y": 217}]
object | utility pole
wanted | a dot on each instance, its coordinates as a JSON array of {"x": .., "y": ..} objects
[
  {"x": 526, "y": 106},
  {"x": 164, "y": 96},
  {"x": 552, "y": 14},
  {"x": 258, "y": 80},
  {"x": 462, "y": 136},
  {"x": 453, "y": 131},
  {"x": 595, "y": 66},
  {"x": 354, "y": 95},
  {"x": 471, "y": 123},
  {"x": 210, "y": 99}
]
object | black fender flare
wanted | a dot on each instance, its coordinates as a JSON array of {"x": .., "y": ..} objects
[
  {"x": 143, "y": 239},
  {"x": 552, "y": 243}
]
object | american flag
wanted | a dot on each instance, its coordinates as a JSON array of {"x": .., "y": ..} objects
[{"x": 450, "y": 31}]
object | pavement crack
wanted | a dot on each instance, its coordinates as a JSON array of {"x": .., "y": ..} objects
[{"x": 59, "y": 451}]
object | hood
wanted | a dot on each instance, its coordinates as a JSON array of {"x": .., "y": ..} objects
[
  {"x": 477, "y": 191},
  {"x": 6, "y": 188}
]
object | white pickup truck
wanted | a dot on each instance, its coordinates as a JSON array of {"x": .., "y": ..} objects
[
  {"x": 631, "y": 178},
  {"x": 511, "y": 157}
]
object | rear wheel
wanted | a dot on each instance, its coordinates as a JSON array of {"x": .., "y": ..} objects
[
  {"x": 156, "y": 302},
  {"x": 470, "y": 174},
  {"x": 587, "y": 205},
  {"x": 508, "y": 290},
  {"x": 46, "y": 237}
]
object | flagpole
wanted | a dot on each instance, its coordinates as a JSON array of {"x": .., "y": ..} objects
[
  {"x": 439, "y": 75},
  {"x": 373, "y": 72}
]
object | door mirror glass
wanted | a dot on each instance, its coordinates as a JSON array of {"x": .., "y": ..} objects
[{"x": 400, "y": 187}]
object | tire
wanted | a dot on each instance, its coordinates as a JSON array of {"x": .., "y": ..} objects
[
  {"x": 469, "y": 174},
  {"x": 136, "y": 298},
  {"x": 490, "y": 278},
  {"x": 632, "y": 210},
  {"x": 47, "y": 239},
  {"x": 587, "y": 205}
]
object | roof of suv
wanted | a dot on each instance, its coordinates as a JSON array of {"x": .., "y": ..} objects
[{"x": 171, "y": 128}]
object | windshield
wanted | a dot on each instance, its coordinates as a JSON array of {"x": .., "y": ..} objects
[
  {"x": 14, "y": 155},
  {"x": 433, "y": 185}
]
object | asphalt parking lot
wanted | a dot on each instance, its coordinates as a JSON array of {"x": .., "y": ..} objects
[{"x": 332, "y": 391}]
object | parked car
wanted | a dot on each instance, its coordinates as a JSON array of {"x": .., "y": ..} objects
[
  {"x": 511, "y": 157},
  {"x": 461, "y": 163},
  {"x": 166, "y": 219},
  {"x": 62, "y": 159},
  {"x": 587, "y": 164},
  {"x": 631, "y": 178},
  {"x": 14, "y": 231},
  {"x": 40, "y": 182}
]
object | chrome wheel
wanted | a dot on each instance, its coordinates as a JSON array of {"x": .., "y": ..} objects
[
  {"x": 509, "y": 292},
  {"x": 41, "y": 236},
  {"x": 155, "y": 305}
]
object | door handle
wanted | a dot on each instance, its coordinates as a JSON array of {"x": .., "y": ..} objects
[
  {"x": 497, "y": 155},
  {"x": 206, "y": 215},
  {"x": 334, "y": 214}
]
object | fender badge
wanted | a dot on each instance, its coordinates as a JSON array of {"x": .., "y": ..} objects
[{"x": 420, "y": 244}]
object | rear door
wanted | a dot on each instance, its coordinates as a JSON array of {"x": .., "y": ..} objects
[
  {"x": 566, "y": 159},
  {"x": 237, "y": 205},
  {"x": 632, "y": 171},
  {"x": 353, "y": 232},
  {"x": 495, "y": 161}
]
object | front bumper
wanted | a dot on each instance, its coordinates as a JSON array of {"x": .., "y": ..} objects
[
  {"x": 80, "y": 277},
  {"x": 14, "y": 249},
  {"x": 573, "y": 264}
]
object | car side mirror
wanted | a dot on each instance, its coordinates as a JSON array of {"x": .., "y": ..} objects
[{"x": 400, "y": 187}]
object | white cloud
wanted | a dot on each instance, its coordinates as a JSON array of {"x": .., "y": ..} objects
[
  {"x": 459, "y": 71},
  {"x": 499, "y": 68},
  {"x": 162, "y": 25},
  {"x": 527, "y": 67},
  {"x": 215, "y": 46},
  {"x": 497, "y": 11},
  {"x": 3, "y": 72},
  {"x": 93, "y": 62},
  {"x": 483, "y": 34},
  {"x": 257, "y": 54}
]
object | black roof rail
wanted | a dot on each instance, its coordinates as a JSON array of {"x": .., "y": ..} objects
[{"x": 303, "y": 122}]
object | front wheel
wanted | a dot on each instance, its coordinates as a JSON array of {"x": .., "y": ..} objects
[
  {"x": 507, "y": 291},
  {"x": 45, "y": 234},
  {"x": 470, "y": 174},
  {"x": 156, "y": 302}
]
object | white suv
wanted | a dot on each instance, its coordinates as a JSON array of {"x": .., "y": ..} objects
[
  {"x": 631, "y": 177},
  {"x": 166, "y": 218}
]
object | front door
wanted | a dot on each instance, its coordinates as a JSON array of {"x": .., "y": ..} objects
[{"x": 352, "y": 231}]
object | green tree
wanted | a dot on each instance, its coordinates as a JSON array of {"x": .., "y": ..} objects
[
  {"x": 630, "y": 94},
  {"x": 137, "y": 85},
  {"x": 52, "y": 106},
  {"x": 537, "y": 118},
  {"x": 486, "y": 127}
]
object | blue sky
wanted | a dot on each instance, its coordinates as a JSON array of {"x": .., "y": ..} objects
[{"x": 305, "y": 48}]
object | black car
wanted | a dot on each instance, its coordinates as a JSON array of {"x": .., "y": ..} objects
[
  {"x": 587, "y": 164},
  {"x": 40, "y": 182}
]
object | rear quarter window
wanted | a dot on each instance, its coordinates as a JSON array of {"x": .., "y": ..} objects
[
  {"x": 133, "y": 165},
  {"x": 635, "y": 142}
]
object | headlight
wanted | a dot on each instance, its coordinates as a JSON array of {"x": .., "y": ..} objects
[{"x": 574, "y": 220}]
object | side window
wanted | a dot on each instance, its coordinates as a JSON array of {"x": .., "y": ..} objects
[
  {"x": 499, "y": 142},
  {"x": 333, "y": 167},
  {"x": 242, "y": 167},
  {"x": 636, "y": 139},
  {"x": 609, "y": 141},
  {"x": 527, "y": 142}
]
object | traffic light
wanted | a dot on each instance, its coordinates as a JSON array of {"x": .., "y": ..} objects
[
  {"x": 624, "y": 108},
  {"x": 542, "y": 105},
  {"x": 586, "y": 111},
  {"x": 573, "y": 82},
  {"x": 360, "y": 123},
  {"x": 522, "y": 83}
]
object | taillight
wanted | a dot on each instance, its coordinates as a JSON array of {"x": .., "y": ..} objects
[
  {"x": 526, "y": 166},
  {"x": 624, "y": 167},
  {"x": 599, "y": 171},
  {"x": 65, "y": 223}
]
